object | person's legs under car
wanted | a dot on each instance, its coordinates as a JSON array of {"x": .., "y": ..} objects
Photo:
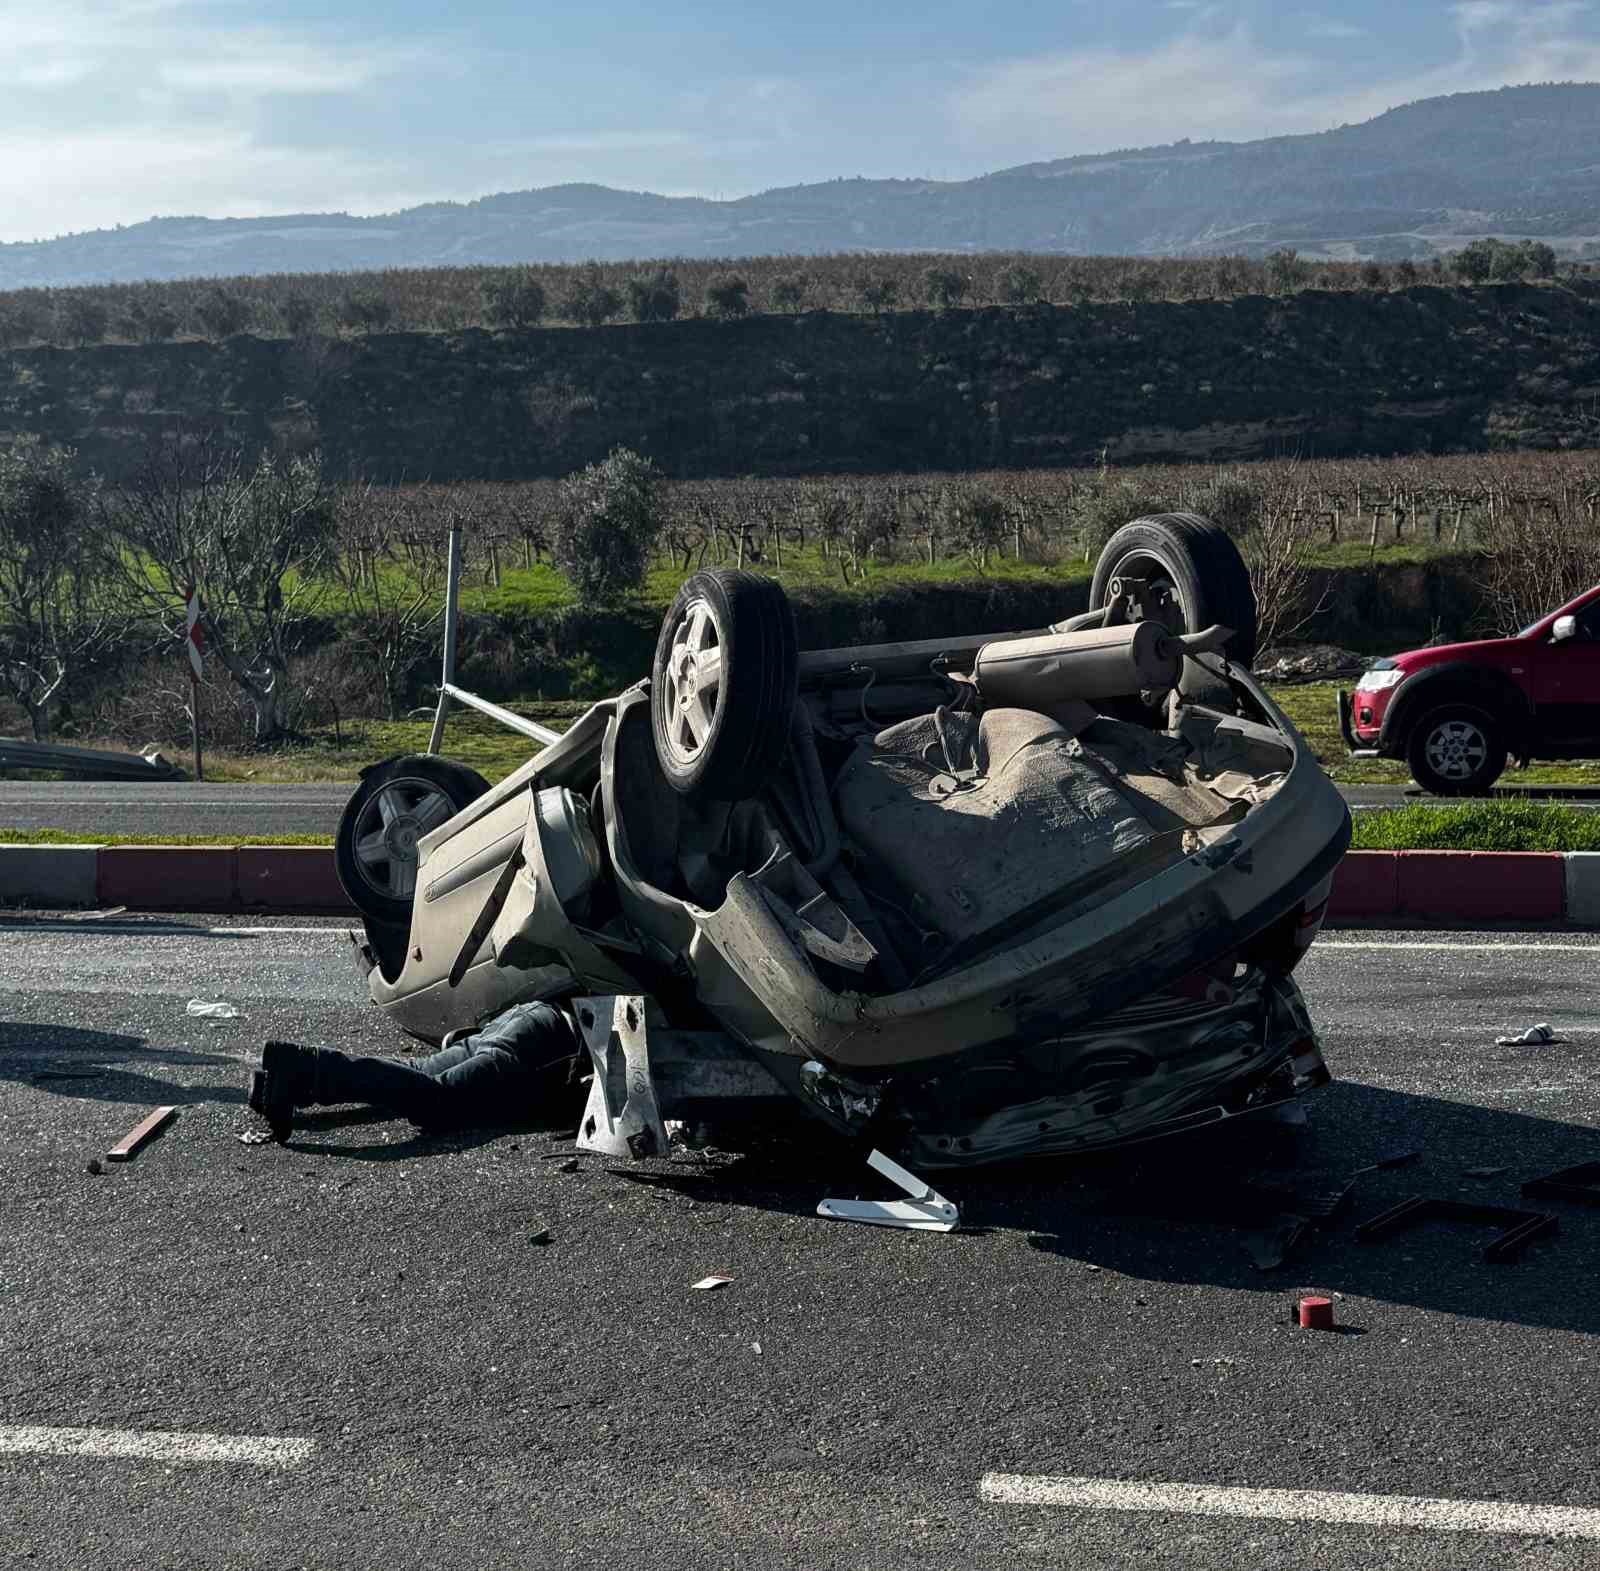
[{"x": 490, "y": 1076}]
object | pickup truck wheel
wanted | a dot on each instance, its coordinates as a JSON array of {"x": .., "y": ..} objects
[
  {"x": 1456, "y": 750},
  {"x": 723, "y": 684},
  {"x": 1183, "y": 571},
  {"x": 396, "y": 804}
]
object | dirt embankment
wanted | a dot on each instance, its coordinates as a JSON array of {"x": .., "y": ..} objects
[{"x": 1325, "y": 374}]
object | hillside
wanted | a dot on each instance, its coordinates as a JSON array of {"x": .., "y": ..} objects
[
  {"x": 1423, "y": 369},
  {"x": 1417, "y": 180}
]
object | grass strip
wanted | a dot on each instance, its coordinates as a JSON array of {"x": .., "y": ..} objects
[
  {"x": 1478, "y": 826},
  {"x": 73, "y": 837}
]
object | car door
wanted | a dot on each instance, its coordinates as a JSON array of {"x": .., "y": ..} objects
[{"x": 1566, "y": 688}]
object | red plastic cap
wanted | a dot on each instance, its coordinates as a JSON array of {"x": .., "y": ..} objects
[{"x": 1316, "y": 1314}]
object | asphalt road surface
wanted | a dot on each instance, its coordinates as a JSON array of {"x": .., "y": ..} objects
[
  {"x": 348, "y": 1352},
  {"x": 91, "y": 809}
]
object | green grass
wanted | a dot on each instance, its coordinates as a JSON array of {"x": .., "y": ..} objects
[
  {"x": 57, "y": 837},
  {"x": 469, "y": 738},
  {"x": 1405, "y": 553},
  {"x": 1478, "y": 826}
]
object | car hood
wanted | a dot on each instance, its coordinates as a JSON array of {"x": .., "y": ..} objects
[{"x": 1442, "y": 654}]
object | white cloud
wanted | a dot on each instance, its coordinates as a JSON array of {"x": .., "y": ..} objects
[
  {"x": 112, "y": 110},
  {"x": 1230, "y": 86},
  {"x": 115, "y": 177}
]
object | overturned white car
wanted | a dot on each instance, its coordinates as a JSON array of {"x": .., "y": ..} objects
[{"x": 971, "y": 898}]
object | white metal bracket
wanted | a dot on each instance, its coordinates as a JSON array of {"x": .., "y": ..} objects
[{"x": 926, "y": 1210}]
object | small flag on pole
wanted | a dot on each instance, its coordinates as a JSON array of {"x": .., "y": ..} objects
[{"x": 194, "y": 637}]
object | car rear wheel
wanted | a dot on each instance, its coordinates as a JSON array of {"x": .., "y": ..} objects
[
  {"x": 1456, "y": 750},
  {"x": 1183, "y": 571},
  {"x": 396, "y": 804},
  {"x": 724, "y": 683}
]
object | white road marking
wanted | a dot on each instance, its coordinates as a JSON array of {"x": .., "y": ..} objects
[
  {"x": 1293, "y": 1505},
  {"x": 154, "y": 1445},
  {"x": 1525, "y": 948}
]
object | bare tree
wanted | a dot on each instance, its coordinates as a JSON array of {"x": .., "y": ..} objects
[
  {"x": 57, "y": 612},
  {"x": 1278, "y": 552},
  {"x": 252, "y": 536},
  {"x": 1538, "y": 557},
  {"x": 390, "y": 570}
]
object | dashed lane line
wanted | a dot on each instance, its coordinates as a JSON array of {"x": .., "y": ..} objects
[
  {"x": 154, "y": 1445},
  {"x": 1293, "y": 1505}
]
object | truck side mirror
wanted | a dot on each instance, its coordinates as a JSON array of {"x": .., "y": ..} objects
[{"x": 1565, "y": 627}]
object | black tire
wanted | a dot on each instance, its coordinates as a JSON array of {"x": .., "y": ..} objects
[
  {"x": 1456, "y": 750},
  {"x": 1208, "y": 580},
  {"x": 398, "y": 801},
  {"x": 731, "y": 745}
]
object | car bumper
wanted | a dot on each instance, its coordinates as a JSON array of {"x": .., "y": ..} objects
[{"x": 1358, "y": 749}]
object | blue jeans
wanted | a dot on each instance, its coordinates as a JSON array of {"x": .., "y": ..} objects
[{"x": 489, "y": 1077}]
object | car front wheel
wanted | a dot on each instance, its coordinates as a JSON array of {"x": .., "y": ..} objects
[
  {"x": 1456, "y": 750},
  {"x": 396, "y": 804}
]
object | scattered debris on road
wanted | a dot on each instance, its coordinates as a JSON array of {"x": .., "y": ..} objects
[
  {"x": 1580, "y": 1184},
  {"x": 927, "y": 1210},
  {"x": 1315, "y": 1314},
  {"x": 141, "y": 1134},
  {"x": 1519, "y": 1228},
  {"x": 1269, "y": 1246},
  {"x": 1535, "y": 1036}
]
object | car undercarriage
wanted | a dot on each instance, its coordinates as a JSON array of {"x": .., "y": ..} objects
[{"x": 965, "y": 900}]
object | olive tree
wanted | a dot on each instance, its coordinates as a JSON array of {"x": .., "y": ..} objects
[
  {"x": 607, "y": 524},
  {"x": 515, "y": 299},
  {"x": 252, "y": 534},
  {"x": 57, "y": 611}
]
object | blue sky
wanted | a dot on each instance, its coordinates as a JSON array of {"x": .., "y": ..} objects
[{"x": 112, "y": 111}]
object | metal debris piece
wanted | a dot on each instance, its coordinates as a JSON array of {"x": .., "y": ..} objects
[
  {"x": 571, "y": 1165},
  {"x": 708, "y": 1284},
  {"x": 199, "y": 1009},
  {"x": 254, "y": 1137},
  {"x": 1581, "y": 1183},
  {"x": 927, "y": 1210},
  {"x": 1521, "y": 1228},
  {"x": 1393, "y": 1159},
  {"x": 1535, "y": 1036},
  {"x": 94, "y": 1169},
  {"x": 125, "y": 1149},
  {"x": 541, "y": 1237},
  {"x": 1269, "y": 1245},
  {"x": 1488, "y": 1172}
]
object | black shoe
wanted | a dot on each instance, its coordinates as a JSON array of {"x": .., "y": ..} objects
[{"x": 278, "y": 1085}]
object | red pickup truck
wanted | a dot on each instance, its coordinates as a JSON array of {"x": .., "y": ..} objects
[{"x": 1456, "y": 712}]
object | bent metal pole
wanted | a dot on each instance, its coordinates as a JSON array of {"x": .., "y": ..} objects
[{"x": 452, "y": 588}]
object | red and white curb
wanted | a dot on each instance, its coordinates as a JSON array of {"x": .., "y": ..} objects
[
  {"x": 1470, "y": 887},
  {"x": 172, "y": 878}
]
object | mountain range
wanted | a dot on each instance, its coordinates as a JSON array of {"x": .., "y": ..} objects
[{"x": 1418, "y": 180}]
